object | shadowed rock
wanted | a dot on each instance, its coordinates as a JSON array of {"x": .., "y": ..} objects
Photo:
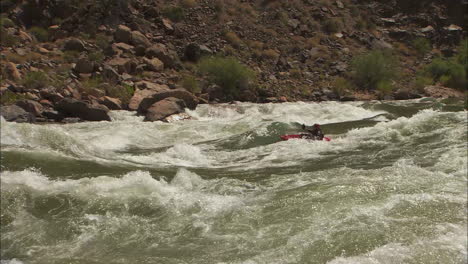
[{"x": 75, "y": 108}]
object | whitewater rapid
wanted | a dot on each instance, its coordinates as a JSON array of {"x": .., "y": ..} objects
[{"x": 223, "y": 188}]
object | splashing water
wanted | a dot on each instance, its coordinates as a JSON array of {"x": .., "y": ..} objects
[{"x": 222, "y": 188}]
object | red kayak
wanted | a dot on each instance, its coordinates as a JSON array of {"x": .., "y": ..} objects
[{"x": 304, "y": 136}]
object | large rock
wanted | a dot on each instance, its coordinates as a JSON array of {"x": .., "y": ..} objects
[
  {"x": 154, "y": 64},
  {"x": 190, "y": 100},
  {"x": 138, "y": 96},
  {"x": 138, "y": 39},
  {"x": 123, "y": 34},
  {"x": 31, "y": 106},
  {"x": 111, "y": 103},
  {"x": 151, "y": 86},
  {"x": 16, "y": 113},
  {"x": 90, "y": 112},
  {"x": 164, "y": 108},
  {"x": 74, "y": 44},
  {"x": 110, "y": 74}
]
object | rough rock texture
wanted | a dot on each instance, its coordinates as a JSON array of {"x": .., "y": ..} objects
[
  {"x": 90, "y": 112},
  {"x": 16, "y": 113},
  {"x": 190, "y": 100},
  {"x": 111, "y": 103},
  {"x": 31, "y": 106},
  {"x": 164, "y": 108}
]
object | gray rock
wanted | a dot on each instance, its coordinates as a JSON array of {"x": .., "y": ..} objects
[
  {"x": 164, "y": 108},
  {"x": 160, "y": 51},
  {"x": 16, "y": 113}
]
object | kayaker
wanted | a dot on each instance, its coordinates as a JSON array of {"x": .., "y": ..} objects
[{"x": 314, "y": 133}]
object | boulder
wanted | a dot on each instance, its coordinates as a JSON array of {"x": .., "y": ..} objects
[
  {"x": 154, "y": 64},
  {"x": 74, "y": 44},
  {"x": 190, "y": 100},
  {"x": 138, "y": 96},
  {"x": 51, "y": 95},
  {"x": 138, "y": 39},
  {"x": 164, "y": 108},
  {"x": 167, "y": 25},
  {"x": 160, "y": 51},
  {"x": 151, "y": 86},
  {"x": 122, "y": 64},
  {"x": 91, "y": 112},
  {"x": 11, "y": 72},
  {"x": 111, "y": 103},
  {"x": 31, "y": 106},
  {"x": 16, "y": 113},
  {"x": 123, "y": 34}
]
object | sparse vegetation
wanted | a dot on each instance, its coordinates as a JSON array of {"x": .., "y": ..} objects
[
  {"x": 41, "y": 34},
  {"x": 124, "y": 92},
  {"x": 174, "y": 13},
  {"x": 374, "y": 68},
  {"x": 340, "y": 86},
  {"x": 233, "y": 39},
  {"x": 228, "y": 73},
  {"x": 332, "y": 25},
  {"x": 35, "y": 80},
  {"x": 188, "y": 3},
  {"x": 190, "y": 83},
  {"x": 10, "y": 97},
  {"x": 451, "y": 72},
  {"x": 421, "y": 45}
]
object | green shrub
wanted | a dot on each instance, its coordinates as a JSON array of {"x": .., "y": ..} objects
[
  {"x": 71, "y": 56},
  {"x": 35, "y": 80},
  {"x": 174, "y": 13},
  {"x": 6, "y": 22},
  {"x": 228, "y": 73},
  {"x": 449, "y": 72},
  {"x": 190, "y": 84},
  {"x": 384, "y": 87},
  {"x": 421, "y": 45},
  {"x": 96, "y": 57},
  {"x": 123, "y": 92},
  {"x": 41, "y": 34},
  {"x": 102, "y": 41},
  {"x": 7, "y": 39},
  {"x": 341, "y": 86},
  {"x": 91, "y": 83},
  {"x": 10, "y": 97},
  {"x": 420, "y": 82},
  {"x": 373, "y": 68}
]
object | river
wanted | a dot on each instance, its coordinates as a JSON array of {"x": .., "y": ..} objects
[{"x": 390, "y": 187}]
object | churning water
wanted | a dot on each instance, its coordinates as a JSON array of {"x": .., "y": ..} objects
[{"x": 391, "y": 187}]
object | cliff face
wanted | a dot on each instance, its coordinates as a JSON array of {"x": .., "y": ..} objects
[{"x": 297, "y": 49}]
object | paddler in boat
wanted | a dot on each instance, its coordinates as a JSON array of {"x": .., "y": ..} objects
[{"x": 314, "y": 132}]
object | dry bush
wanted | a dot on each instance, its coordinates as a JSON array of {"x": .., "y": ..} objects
[
  {"x": 233, "y": 39},
  {"x": 270, "y": 54},
  {"x": 255, "y": 44},
  {"x": 188, "y": 3}
]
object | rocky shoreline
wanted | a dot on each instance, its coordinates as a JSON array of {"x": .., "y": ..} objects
[{"x": 66, "y": 63}]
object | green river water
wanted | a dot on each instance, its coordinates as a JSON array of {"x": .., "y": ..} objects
[{"x": 390, "y": 187}]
